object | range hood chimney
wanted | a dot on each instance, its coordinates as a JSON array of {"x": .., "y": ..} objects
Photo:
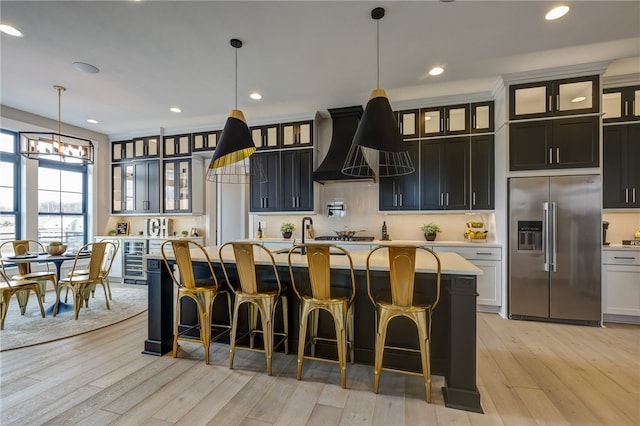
[{"x": 344, "y": 124}]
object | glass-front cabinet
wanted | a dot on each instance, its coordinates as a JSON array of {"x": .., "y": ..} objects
[
  {"x": 177, "y": 145},
  {"x": 266, "y": 136},
  {"x": 205, "y": 141},
  {"x": 621, "y": 104},
  {"x": 177, "y": 177},
  {"x": 445, "y": 120},
  {"x": 144, "y": 147},
  {"x": 554, "y": 98}
]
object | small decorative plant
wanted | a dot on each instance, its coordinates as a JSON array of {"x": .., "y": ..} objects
[
  {"x": 286, "y": 229},
  {"x": 430, "y": 231},
  {"x": 185, "y": 233}
]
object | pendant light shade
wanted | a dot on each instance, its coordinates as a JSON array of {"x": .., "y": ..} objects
[
  {"x": 230, "y": 162},
  {"x": 56, "y": 146},
  {"x": 377, "y": 140}
]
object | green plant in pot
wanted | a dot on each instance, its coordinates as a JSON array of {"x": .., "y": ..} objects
[
  {"x": 430, "y": 231},
  {"x": 286, "y": 229}
]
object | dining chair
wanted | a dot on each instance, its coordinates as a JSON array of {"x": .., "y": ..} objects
[
  {"x": 402, "y": 303},
  {"x": 9, "y": 287},
  {"x": 260, "y": 300},
  {"x": 24, "y": 269},
  {"x": 112, "y": 247},
  {"x": 81, "y": 284},
  {"x": 203, "y": 291},
  {"x": 323, "y": 294}
]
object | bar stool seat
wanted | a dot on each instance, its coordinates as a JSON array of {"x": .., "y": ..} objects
[{"x": 402, "y": 265}]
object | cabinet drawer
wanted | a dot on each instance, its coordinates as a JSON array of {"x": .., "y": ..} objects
[
  {"x": 473, "y": 253},
  {"x": 621, "y": 257}
]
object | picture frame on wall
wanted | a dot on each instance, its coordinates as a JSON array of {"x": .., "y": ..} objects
[{"x": 123, "y": 228}]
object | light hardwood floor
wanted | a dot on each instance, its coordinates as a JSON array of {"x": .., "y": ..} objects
[{"x": 528, "y": 373}]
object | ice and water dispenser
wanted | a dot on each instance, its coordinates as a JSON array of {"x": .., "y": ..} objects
[{"x": 529, "y": 235}]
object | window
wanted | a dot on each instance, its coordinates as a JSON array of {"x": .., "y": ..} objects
[
  {"x": 62, "y": 205},
  {"x": 9, "y": 186}
]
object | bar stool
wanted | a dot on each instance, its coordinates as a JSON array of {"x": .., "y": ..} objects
[
  {"x": 203, "y": 291},
  {"x": 321, "y": 297},
  {"x": 23, "y": 247},
  {"x": 263, "y": 301},
  {"x": 402, "y": 265}
]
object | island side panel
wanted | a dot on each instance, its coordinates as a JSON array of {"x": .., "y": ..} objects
[{"x": 160, "y": 309}]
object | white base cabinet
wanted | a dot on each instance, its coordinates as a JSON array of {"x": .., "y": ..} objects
[
  {"x": 621, "y": 286},
  {"x": 489, "y": 259}
]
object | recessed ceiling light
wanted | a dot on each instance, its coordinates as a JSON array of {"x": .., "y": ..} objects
[
  {"x": 436, "y": 71},
  {"x": 578, "y": 99},
  {"x": 8, "y": 29},
  {"x": 92, "y": 121},
  {"x": 84, "y": 67},
  {"x": 556, "y": 12},
  {"x": 256, "y": 96},
  {"x": 175, "y": 109}
]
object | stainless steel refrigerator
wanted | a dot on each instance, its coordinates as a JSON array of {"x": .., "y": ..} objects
[{"x": 555, "y": 243}]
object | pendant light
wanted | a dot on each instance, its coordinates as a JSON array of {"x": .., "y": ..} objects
[
  {"x": 230, "y": 162},
  {"x": 56, "y": 146},
  {"x": 377, "y": 141}
]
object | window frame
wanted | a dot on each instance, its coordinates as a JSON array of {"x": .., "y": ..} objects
[{"x": 17, "y": 182}]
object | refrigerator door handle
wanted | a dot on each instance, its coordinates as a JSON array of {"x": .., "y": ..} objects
[
  {"x": 545, "y": 235},
  {"x": 554, "y": 236}
]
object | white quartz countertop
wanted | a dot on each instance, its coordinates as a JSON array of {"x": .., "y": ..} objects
[
  {"x": 451, "y": 263},
  {"x": 620, "y": 247},
  {"x": 376, "y": 242}
]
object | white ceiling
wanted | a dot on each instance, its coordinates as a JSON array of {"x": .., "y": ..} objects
[{"x": 303, "y": 56}]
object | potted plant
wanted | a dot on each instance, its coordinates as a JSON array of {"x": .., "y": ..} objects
[
  {"x": 286, "y": 229},
  {"x": 430, "y": 231},
  {"x": 185, "y": 233}
]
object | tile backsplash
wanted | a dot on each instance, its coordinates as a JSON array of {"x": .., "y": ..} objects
[{"x": 622, "y": 226}]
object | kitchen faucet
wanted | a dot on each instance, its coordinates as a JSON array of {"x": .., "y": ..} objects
[{"x": 304, "y": 219}]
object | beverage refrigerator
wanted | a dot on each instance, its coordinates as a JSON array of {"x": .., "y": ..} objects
[{"x": 555, "y": 245}]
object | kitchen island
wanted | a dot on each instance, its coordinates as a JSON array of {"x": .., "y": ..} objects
[{"x": 453, "y": 346}]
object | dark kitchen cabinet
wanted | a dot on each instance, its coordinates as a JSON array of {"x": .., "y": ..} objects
[
  {"x": 554, "y": 144},
  {"x": 409, "y": 123},
  {"x": 445, "y": 120},
  {"x": 136, "y": 187},
  {"x": 482, "y": 117},
  {"x": 402, "y": 192},
  {"x": 444, "y": 167},
  {"x": 264, "y": 195},
  {"x": 569, "y": 96},
  {"x": 620, "y": 171},
  {"x": 482, "y": 172},
  {"x": 297, "y": 134},
  {"x": 297, "y": 180},
  {"x": 266, "y": 137},
  {"x": 180, "y": 195},
  {"x": 621, "y": 104},
  {"x": 138, "y": 148},
  {"x": 177, "y": 145},
  {"x": 205, "y": 141}
]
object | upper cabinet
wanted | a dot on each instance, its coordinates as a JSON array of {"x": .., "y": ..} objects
[
  {"x": 177, "y": 145},
  {"x": 181, "y": 193},
  {"x": 297, "y": 179},
  {"x": 297, "y": 134},
  {"x": 205, "y": 141},
  {"x": 482, "y": 117},
  {"x": 402, "y": 192},
  {"x": 621, "y": 104},
  {"x": 136, "y": 187},
  {"x": 445, "y": 120},
  {"x": 409, "y": 123},
  {"x": 620, "y": 171},
  {"x": 554, "y": 98},
  {"x": 265, "y": 137},
  {"x": 144, "y": 147}
]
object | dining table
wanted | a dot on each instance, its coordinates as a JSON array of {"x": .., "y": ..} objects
[{"x": 57, "y": 260}]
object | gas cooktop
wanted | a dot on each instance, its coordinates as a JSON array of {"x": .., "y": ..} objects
[{"x": 345, "y": 238}]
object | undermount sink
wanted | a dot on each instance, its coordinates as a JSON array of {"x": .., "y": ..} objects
[{"x": 297, "y": 251}]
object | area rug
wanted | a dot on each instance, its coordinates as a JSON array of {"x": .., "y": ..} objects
[{"x": 31, "y": 329}]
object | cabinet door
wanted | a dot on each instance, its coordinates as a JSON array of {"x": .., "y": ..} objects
[
  {"x": 177, "y": 186},
  {"x": 266, "y": 137},
  {"x": 529, "y": 145},
  {"x": 576, "y": 96},
  {"x": 482, "y": 172},
  {"x": 621, "y": 285},
  {"x": 432, "y": 187},
  {"x": 205, "y": 141},
  {"x": 482, "y": 117},
  {"x": 530, "y": 100},
  {"x": 456, "y": 119},
  {"x": 489, "y": 283},
  {"x": 409, "y": 123},
  {"x": 129, "y": 187},
  {"x": 632, "y": 158},
  {"x": 432, "y": 121},
  {"x": 456, "y": 173},
  {"x": 117, "y": 206},
  {"x": 177, "y": 145},
  {"x": 146, "y": 186},
  {"x": 614, "y": 167},
  {"x": 575, "y": 142},
  {"x": 264, "y": 195},
  {"x": 402, "y": 192},
  {"x": 297, "y": 180},
  {"x": 117, "y": 151},
  {"x": 148, "y": 146},
  {"x": 300, "y": 133}
]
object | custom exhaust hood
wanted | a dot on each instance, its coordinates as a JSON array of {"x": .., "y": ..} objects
[{"x": 344, "y": 124}]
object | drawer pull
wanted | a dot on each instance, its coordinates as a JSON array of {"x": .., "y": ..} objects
[
  {"x": 483, "y": 254},
  {"x": 624, "y": 257}
]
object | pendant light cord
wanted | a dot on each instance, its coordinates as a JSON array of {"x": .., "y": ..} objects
[
  {"x": 236, "y": 104},
  {"x": 59, "y": 89},
  {"x": 378, "y": 54}
]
